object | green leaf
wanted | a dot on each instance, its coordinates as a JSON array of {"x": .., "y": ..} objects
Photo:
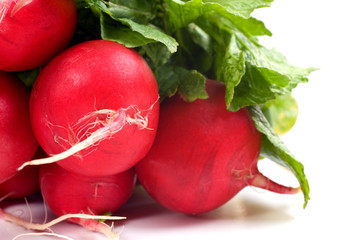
[
  {"x": 135, "y": 34},
  {"x": 182, "y": 13},
  {"x": 252, "y": 90},
  {"x": 192, "y": 86},
  {"x": 281, "y": 113},
  {"x": 272, "y": 65},
  {"x": 259, "y": 74},
  {"x": 157, "y": 53},
  {"x": 168, "y": 79},
  {"x": 231, "y": 69},
  {"x": 189, "y": 83},
  {"x": 128, "y": 23},
  {"x": 137, "y": 10},
  {"x": 118, "y": 32},
  {"x": 274, "y": 149},
  {"x": 200, "y": 38},
  {"x": 151, "y": 32},
  {"x": 195, "y": 48},
  {"x": 98, "y": 5},
  {"x": 241, "y": 8}
]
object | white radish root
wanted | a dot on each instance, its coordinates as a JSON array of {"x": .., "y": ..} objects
[
  {"x": 113, "y": 123},
  {"x": 85, "y": 220},
  {"x": 42, "y": 234},
  {"x": 20, "y": 4},
  {"x": 3, "y": 10}
]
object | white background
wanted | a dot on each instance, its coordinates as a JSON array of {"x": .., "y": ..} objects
[{"x": 316, "y": 33}]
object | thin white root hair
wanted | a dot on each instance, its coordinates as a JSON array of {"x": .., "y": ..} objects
[
  {"x": 20, "y": 4},
  {"x": 29, "y": 209},
  {"x": 4, "y": 10},
  {"x": 100, "y": 134},
  {"x": 6, "y": 196},
  {"x": 42, "y": 234},
  {"x": 138, "y": 119},
  {"x": 100, "y": 227},
  {"x": 113, "y": 123},
  {"x": 46, "y": 226},
  {"x": 85, "y": 220}
]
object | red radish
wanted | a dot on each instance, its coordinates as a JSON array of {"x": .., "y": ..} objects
[
  {"x": 17, "y": 141},
  {"x": 70, "y": 193},
  {"x": 23, "y": 184},
  {"x": 33, "y": 31},
  {"x": 66, "y": 192},
  {"x": 97, "y": 105},
  {"x": 203, "y": 154}
]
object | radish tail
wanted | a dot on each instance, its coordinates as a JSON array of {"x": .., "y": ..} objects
[
  {"x": 114, "y": 123},
  {"x": 260, "y": 181},
  {"x": 114, "y": 126},
  {"x": 97, "y": 226},
  {"x": 87, "y": 221}
]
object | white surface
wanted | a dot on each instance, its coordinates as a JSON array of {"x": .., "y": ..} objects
[{"x": 323, "y": 34}]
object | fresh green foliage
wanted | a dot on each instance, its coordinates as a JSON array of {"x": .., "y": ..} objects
[
  {"x": 187, "y": 41},
  {"x": 273, "y": 148},
  {"x": 218, "y": 39},
  {"x": 281, "y": 113}
]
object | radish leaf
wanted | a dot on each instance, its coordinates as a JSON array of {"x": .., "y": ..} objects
[
  {"x": 273, "y": 148},
  {"x": 281, "y": 113}
]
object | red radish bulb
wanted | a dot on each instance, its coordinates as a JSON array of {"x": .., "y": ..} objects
[
  {"x": 70, "y": 193},
  {"x": 66, "y": 192},
  {"x": 203, "y": 154},
  {"x": 23, "y": 184},
  {"x": 33, "y": 31},
  {"x": 99, "y": 101},
  {"x": 17, "y": 141}
]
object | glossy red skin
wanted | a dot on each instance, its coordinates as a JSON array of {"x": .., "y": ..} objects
[
  {"x": 91, "y": 76},
  {"x": 65, "y": 192},
  {"x": 23, "y": 184},
  {"x": 17, "y": 141},
  {"x": 31, "y": 35},
  {"x": 202, "y": 154}
]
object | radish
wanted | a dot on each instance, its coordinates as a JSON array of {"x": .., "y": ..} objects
[
  {"x": 203, "y": 154},
  {"x": 66, "y": 192},
  {"x": 33, "y": 31},
  {"x": 23, "y": 184},
  {"x": 17, "y": 141},
  {"x": 94, "y": 108},
  {"x": 70, "y": 193}
]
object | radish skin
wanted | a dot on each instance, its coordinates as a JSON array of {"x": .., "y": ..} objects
[
  {"x": 70, "y": 196},
  {"x": 34, "y": 31},
  {"x": 113, "y": 123},
  {"x": 206, "y": 151},
  {"x": 17, "y": 141},
  {"x": 23, "y": 184},
  {"x": 84, "y": 194}
]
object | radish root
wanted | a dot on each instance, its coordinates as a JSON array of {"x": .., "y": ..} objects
[
  {"x": 3, "y": 10},
  {"x": 20, "y": 4},
  {"x": 42, "y": 234},
  {"x": 85, "y": 220},
  {"x": 257, "y": 179},
  {"x": 110, "y": 122},
  {"x": 263, "y": 182}
]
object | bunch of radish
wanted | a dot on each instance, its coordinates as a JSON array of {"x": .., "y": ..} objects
[{"x": 93, "y": 122}]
